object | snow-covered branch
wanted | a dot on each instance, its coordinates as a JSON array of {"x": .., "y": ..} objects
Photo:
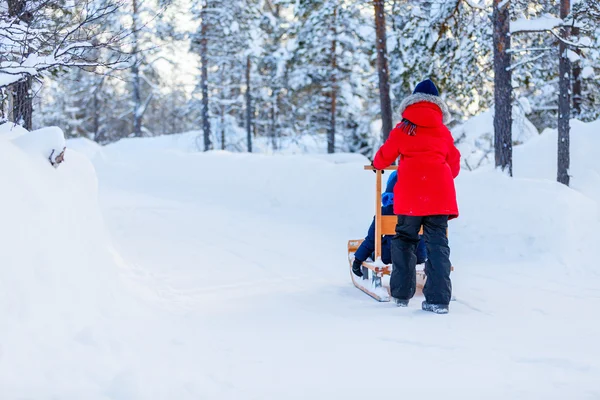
[
  {"x": 479, "y": 6},
  {"x": 526, "y": 61},
  {"x": 542, "y": 24},
  {"x": 38, "y": 36}
]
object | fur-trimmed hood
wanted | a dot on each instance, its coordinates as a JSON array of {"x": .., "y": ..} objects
[{"x": 422, "y": 97}]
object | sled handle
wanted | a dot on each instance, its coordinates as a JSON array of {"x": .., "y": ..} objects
[
  {"x": 378, "y": 174},
  {"x": 390, "y": 168},
  {"x": 378, "y": 219}
]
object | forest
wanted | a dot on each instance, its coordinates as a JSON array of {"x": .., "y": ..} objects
[{"x": 276, "y": 71}]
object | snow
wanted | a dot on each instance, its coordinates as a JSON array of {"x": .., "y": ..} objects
[
  {"x": 587, "y": 72},
  {"x": 8, "y": 79},
  {"x": 58, "y": 281},
  {"x": 46, "y": 142},
  {"x": 87, "y": 147},
  {"x": 475, "y": 137},
  {"x": 224, "y": 276},
  {"x": 525, "y": 105},
  {"x": 537, "y": 159},
  {"x": 193, "y": 141},
  {"x": 544, "y": 23},
  {"x": 10, "y": 131},
  {"x": 573, "y": 56}
]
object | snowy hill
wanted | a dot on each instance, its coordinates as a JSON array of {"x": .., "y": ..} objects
[{"x": 229, "y": 280}]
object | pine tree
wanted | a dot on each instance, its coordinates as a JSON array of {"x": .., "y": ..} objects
[
  {"x": 326, "y": 71},
  {"x": 449, "y": 42},
  {"x": 45, "y": 36},
  {"x": 224, "y": 38},
  {"x": 273, "y": 106}
]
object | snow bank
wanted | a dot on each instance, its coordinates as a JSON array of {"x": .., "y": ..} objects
[
  {"x": 85, "y": 146},
  {"x": 475, "y": 137},
  {"x": 48, "y": 143},
  {"x": 59, "y": 287},
  {"x": 523, "y": 220},
  {"x": 10, "y": 131},
  {"x": 537, "y": 159}
]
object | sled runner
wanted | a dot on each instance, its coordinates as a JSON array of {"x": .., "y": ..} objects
[{"x": 372, "y": 282}]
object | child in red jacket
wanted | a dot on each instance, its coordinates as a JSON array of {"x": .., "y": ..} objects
[{"x": 428, "y": 164}]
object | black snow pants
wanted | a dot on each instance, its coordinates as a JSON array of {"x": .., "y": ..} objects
[{"x": 438, "y": 287}]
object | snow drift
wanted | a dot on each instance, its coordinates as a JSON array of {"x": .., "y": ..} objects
[
  {"x": 59, "y": 285},
  {"x": 537, "y": 158},
  {"x": 475, "y": 137}
]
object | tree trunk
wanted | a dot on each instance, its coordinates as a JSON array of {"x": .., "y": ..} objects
[
  {"x": 276, "y": 91},
  {"x": 577, "y": 88},
  {"x": 99, "y": 136},
  {"x": 272, "y": 127},
  {"x": 331, "y": 133},
  {"x": 382, "y": 68},
  {"x": 502, "y": 87},
  {"x": 204, "y": 82},
  {"x": 22, "y": 111},
  {"x": 564, "y": 100},
  {"x": 135, "y": 73},
  {"x": 22, "y": 98},
  {"x": 222, "y": 110},
  {"x": 248, "y": 107},
  {"x": 223, "y": 127},
  {"x": 96, "y": 115},
  {"x": 3, "y": 104}
]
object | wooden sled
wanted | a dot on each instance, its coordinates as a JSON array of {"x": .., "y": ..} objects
[{"x": 372, "y": 282}]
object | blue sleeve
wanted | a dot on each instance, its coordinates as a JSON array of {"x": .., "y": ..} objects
[{"x": 368, "y": 245}]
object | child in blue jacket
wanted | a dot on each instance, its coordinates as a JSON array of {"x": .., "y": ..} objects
[{"x": 367, "y": 247}]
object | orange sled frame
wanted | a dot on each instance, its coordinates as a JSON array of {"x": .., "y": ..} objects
[{"x": 373, "y": 271}]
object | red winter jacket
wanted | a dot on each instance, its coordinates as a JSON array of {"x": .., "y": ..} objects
[{"x": 429, "y": 161}]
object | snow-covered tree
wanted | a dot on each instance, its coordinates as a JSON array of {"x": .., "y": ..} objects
[
  {"x": 329, "y": 63},
  {"x": 447, "y": 41},
  {"x": 272, "y": 95},
  {"x": 44, "y": 35},
  {"x": 226, "y": 37}
]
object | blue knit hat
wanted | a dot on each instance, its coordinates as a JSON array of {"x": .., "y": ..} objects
[{"x": 427, "y": 87}]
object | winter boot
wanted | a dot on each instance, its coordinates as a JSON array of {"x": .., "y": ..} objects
[
  {"x": 435, "y": 308},
  {"x": 400, "y": 302},
  {"x": 357, "y": 268}
]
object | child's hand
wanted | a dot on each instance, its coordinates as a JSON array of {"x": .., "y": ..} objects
[{"x": 375, "y": 169}]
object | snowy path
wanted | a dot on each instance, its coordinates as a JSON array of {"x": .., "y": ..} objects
[{"x": 262, "y": 307}]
